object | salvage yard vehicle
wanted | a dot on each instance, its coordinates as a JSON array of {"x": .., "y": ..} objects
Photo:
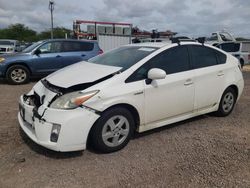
[
  {"x": 240, "y": 50},
  {"x": 136, "y": 87},
  {"x": 219, "y": 37},
  {"x": 45, "y": 57},
  {"x": 9, "y": 46}
]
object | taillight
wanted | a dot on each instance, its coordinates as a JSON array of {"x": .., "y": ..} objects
[
  {"x": 248, "y": 56},
  {"x": 100, "y": 51}
]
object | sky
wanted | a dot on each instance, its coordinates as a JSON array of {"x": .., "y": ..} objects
[{"x": 192, "y": 18}]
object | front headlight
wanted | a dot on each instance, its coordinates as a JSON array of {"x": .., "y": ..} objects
[
  {"x": 1, "y": 59},
  {"x": 72, "y": 100}
]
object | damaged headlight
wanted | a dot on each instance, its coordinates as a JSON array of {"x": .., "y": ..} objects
[{"x": 72, "y": 100}]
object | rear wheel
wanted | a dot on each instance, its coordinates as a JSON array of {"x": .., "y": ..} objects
[
  {"x": 227, "y": 102},
  {"x": 17, "y": 74},
  {"x": 241, "y": 63},
  {"x": 112, "y": 131}
]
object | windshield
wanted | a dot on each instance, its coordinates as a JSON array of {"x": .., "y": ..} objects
[
  {"x": 6, "y": 42},
  {"x": 30, "y": 48},
  {"x": 214, "y": 37},
  {"x": 124, "y": 57}
]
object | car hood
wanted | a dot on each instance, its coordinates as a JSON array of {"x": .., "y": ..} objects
[{"x": 80, "y": 73}]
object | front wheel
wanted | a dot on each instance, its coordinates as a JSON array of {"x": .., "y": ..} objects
[
  {"x": 227, "y": 102},
  {"x": 17, "y": 74},
  {"x": 113, "y": 130}
]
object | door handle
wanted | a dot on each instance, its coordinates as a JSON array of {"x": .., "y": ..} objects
[
  {"x": 220, "y": 73},
  {"x": 188, "y": 82},
  {"x": 83, "y": 55},
  {"x": 58, "y": 56}
]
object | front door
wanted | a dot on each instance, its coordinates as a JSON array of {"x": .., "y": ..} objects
[
  {"x": 173, "y": 96},
  {"x": 49, "y": 59}
]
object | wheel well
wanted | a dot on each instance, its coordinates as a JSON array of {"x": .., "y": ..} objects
[
  {"x": 130, "y": 108},
  {"x": 20, "y": 63},
  {"x": 235, "y": 88},
  {"x": 242, "y": 62}
]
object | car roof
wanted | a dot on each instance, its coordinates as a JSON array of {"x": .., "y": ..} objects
[
  {"x": 73, "y": 40},
  {"x": 163, "y": 44}
]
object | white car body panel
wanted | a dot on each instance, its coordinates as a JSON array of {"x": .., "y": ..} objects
[
  {"x": 92, "y": 72},
  {"x": 167, "y": 98},
  {"x": 177, "y": 97}
]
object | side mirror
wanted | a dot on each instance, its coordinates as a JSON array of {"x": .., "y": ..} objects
[
  {"x": 37, "y": 52},
  {"x": 155, "y": 74}
]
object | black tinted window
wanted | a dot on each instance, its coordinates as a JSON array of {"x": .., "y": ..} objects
[
  {"x": 221, "y": 58},
  {"x": 173, "y": 60},
  {"x": 230, "y": 47},
  {"x": 203, "y": 56},
  {"x": 70, "y": 46}
]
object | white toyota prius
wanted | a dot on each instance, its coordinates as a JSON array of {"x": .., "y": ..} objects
[{"x": 137, "y": 87}]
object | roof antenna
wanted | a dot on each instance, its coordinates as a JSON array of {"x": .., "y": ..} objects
[{"x": 201, "y": 40}]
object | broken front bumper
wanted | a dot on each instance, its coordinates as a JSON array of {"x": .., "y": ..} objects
[{"x": 74, "y": 126}]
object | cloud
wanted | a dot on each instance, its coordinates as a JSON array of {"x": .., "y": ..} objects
[{"x": 187, "y": 17}]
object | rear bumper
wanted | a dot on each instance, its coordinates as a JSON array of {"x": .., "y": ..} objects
[{"x": 74, "y": 127}]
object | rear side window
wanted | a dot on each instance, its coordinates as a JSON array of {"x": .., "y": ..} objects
[
  {"x": 70, "y": 46},
  {"x": 230, "y": 47},
  {"x": 203, "y": 56}
]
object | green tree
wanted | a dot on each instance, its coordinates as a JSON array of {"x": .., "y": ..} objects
[
  {"x": 18, "y": 32},
  {"x": 58, "y": 32}
]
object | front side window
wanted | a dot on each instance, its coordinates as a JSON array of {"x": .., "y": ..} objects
[
  {"x": 51, "y": 47},
  {"x": 203, "y": 56},
  {"x": 173, "y": 60}
]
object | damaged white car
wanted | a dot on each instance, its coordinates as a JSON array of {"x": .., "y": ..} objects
[{"x": 133, "y": 88}]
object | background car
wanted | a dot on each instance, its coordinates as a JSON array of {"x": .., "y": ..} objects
[
  {"x": 9, "y": 46},
  {"x": 135, "y": 87},
  {"x": 45, "y": 57},
  {"x": 240, "y": 50}
]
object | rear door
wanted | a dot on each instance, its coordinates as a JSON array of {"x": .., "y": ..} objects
[
  {"x": 209, "y": 75},
  {"x": 75, "y": 51}
]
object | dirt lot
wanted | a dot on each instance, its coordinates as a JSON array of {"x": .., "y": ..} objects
[{"x": 202, "y": 152}]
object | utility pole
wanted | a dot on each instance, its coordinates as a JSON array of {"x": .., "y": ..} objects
[{"x": 51, "y": 8}]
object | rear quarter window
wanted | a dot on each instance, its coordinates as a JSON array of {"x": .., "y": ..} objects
[{"x": 221, "y": 58}]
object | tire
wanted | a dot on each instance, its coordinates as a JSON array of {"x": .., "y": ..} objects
[
  {"x": 17, "y": 74},
  {"x": 241, "y": 63},
  {"x": 227, "y": 102},
  {"x": 109, "y": 134}
]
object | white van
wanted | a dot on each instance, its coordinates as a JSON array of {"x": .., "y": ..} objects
[{"x": 241, "y": 50}]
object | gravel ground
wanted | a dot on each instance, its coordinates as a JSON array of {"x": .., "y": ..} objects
[{"x": 205, "y": 151}]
